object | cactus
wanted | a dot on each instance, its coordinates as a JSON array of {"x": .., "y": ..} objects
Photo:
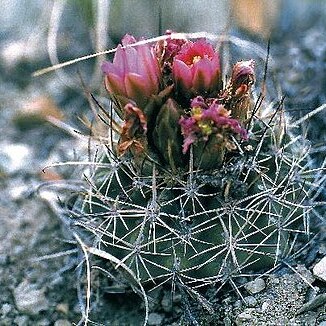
[{"x": 197, "y": 185}]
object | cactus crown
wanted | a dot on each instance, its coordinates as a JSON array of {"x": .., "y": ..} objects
[{"x": 199, "y": 185}]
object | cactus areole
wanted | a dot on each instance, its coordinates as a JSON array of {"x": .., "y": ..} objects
[{"x": 196, "y": 188}]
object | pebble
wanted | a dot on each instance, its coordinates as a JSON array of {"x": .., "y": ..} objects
[
  {"x": 177, "y": 298},
  {"x": 305, "y": 273},
  {"x": 30, "y": 300},
  {"x": 18, "y": 190},
  {"x": 21, "y": 321},
  {"x": 227, "y": 321},
  {"x": 320, "y": 270},
  {"x": 154, "y": 319},
  {"x": 4, "y": 259},
  {"x": 63, "y": 308},
  {"x": 237, "y": 304},
  {"x": 62, "y": 322},
  {"x": 167, "y": 302},
  {"x": 15, "y": 157},
  {"x": 5, "y": 309},
  {"x": 250, "y": 301},
  {"x": 265, "y": 306},
  {"x": 255, "y": 286},
  {"x": 245, "y": 316},
  {"x": 43, "y": 322}
]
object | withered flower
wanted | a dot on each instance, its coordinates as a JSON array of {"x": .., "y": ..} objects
[{"x": 133, "y": 133}]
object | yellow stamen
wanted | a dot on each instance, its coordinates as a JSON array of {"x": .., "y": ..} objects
[
  {"x": 205, "y": 127},
  {"x": 196, "y": 58},
  {"x": 196, "y": 113}
]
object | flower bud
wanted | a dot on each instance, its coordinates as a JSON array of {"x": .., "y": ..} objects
[
  {"x": 237, "y": 96},
  {"x": 243, "y": 73},
  {"x": 167, "y": 134}
]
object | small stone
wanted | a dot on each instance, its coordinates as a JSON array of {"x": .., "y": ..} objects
[
  {"x": 177, "y": 310},
  {"x": 320, "y": 270},
  {"x": 177, "y": 298},
  {"x": 245, "y": 316},
  {"x": 255, "y": 286},
  {"x": 21, "y": 321},
  {"x": 274, "y": 280},
  {"x": 14, "y": 52},
  {"x": 30, "y": 300},
  {"x": 237, "y": 304},
  {"x": 5, "y": 309},
  {"x": 15, "y": 157},
  {"x": 50, "y": 175},
  {"x": 43, "y": 322},
  {"x": 17, "y": 192},
  {"x": 323, "y": 323},
  {"x": 63, "y": 308},
  {"x": 265, "y": 306},
  {"x": 250, "y": 301},
  {"x": 4, "y": 259},
  {"x": 167, "y": 302},
  {"x": 62, "y": 322},
  {"x": 155, "y": 319},
  {"x": 322, "y": 249}
]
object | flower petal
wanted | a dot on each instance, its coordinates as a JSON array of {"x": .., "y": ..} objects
[
  {"x": 148, "y": 66},
  {"x": 137, "y": 89},
  {"x": 115, "y": 84},
  {"x": 128, "y": 39},
  {"x": 202, "y": 75},
  {"x": 131, "y": 60},
  {"x": 198, "y": 101},
  {"x": 182, "y": 74},
  {"x": 109, "y": 68},
  {"x": 120, "y": 59},
  {"x": 187, "y": 142}
]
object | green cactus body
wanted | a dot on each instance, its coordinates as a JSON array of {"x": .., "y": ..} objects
[
  {"x": 201, "y": 226},
  {"x": 188, "y": 194}
]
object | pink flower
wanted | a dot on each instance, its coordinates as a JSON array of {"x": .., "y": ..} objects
[
  {"x": 134, "y": 73},
  {"x": 209, "y": 121},
  {"x": 196, "y": 69}
]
